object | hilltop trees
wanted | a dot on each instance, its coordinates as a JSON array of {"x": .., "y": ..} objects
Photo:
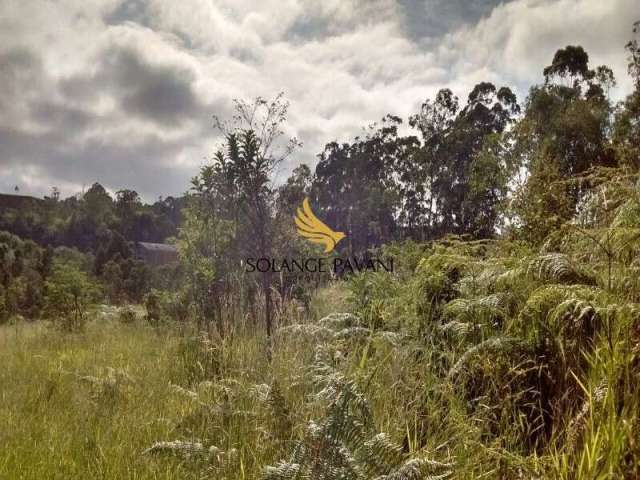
[{"x": 82, "y": 220}]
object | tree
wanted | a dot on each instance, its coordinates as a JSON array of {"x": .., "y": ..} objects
[
  {"x": 294, "y": 191},
  {"x": 571, "y": 62},
  {"x": 254, "y": 150},
  {"x": 626, "y": 132},
  {"x": 563, "y": 134},
  {"x": 445, "y": 185},
  {"x": 98, "y": 203},
  {"x": 355, "y": 186},
  {"x": 235, "y": 193}
]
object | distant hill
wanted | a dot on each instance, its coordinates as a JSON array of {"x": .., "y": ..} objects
[{"x": 18, "y": 201}]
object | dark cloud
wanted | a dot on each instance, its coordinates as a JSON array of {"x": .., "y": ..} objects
[
  {"x": 61, "y": 116},
  {"x": 129, "y": 11},
  {"x": 429, "y": 19},
  {"x": 158, "y": 93},
  {"x": 143, "y": 165},
  {"x": 71, "y": 143},
  {"x": 20, "y": 73},
  {"x": 80, "y": 88}
]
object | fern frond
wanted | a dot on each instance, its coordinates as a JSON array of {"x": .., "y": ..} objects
[
  {"x": 558, "y": 268},
  {"x": 380, "y": 455},
  {"x": 420, "y": 469},
  {"x": 309, "y": 330},
  {"x": 283, "y": 471},
  {"x": 492, "y": 309},
  {"x": 178, "y": 447},
  {"x": 338, "y": 321},
  {"x": 496, "y": 344}
]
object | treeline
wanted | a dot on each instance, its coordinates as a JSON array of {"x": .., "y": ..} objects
[
  {"x": 484, "y": 166},
  {"x": 79, "y": 248},
  {"x": 89, "y": 220},
  {"x": 479, "y": 168}
]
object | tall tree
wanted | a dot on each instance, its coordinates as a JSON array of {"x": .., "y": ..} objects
[
  {"x": 448, "y": 179},
  {"x": 355, "y": 187},
  {"x": 562, "y": 135},
  {"x": 626, "y": 134}
]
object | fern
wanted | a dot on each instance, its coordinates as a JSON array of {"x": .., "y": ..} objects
[
  {"x": 337, "y": 321},
  {"x": 491, "y": 310},
  {"x": 284, "y": 471},
  {"x": 178, "y": 448},
  {"x": 306, "y": 330},
  {"x": 280, "y": 414},
  {"x": 420, "y": 469},
  {"x": 496, "y": 344},
  {"x": 343, "y": 444},
  {"x": 555, "y": 311},
  {"x": 558, "y": 268}
]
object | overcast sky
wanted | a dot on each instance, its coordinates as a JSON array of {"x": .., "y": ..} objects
[{"x": 123, "y": 91}]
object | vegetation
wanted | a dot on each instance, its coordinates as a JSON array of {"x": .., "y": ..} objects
[{"x": 504, "y": 345}]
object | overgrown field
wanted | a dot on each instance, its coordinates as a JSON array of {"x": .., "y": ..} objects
[{"x": 475, "y": 360}]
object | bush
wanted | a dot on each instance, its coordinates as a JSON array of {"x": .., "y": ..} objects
[
  {"x": 69, "y": 292},
  {"x": 127, "y": 315},
  {"x": 165, "y": 306}
]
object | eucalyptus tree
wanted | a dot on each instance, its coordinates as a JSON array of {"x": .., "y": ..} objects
[
  {"x": 626, "y": 135},
  {"x": 454, "y": 182},
  {"x": 356, "y": 188},
  {"x": 564, "y": 133}
]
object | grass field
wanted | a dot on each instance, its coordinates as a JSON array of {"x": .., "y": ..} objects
[
  {"x": 96, "y": 404},
  {"x": 87, "y": 405}
]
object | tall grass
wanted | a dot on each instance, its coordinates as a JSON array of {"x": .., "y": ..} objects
[{"x": 480, "y": 360}]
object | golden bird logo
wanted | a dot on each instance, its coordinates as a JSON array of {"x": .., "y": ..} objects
[{"x": 314, "y": 230}]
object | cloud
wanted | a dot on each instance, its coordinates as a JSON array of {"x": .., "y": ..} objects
[
  {"x": 123, "y": 91},
  {"x": 429, "y": 19},
  {"x": 518, "y": 39},
  {"x": 158, "y": 93}
]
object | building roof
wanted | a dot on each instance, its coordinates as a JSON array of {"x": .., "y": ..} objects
[
  {"x": 10, "y": 200},
  {"x": 158, "y": 247}
]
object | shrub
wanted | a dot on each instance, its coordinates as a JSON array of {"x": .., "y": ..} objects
[
  {"x": 127, "y": 315},
  {"x": 163, "y": 306},
  {"x": 69, "y": 293}
]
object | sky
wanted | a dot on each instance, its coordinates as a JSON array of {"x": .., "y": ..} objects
[{"x": 123, "y": 92}]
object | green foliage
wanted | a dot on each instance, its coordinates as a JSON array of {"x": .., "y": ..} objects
[
  {"x": 69, "y": 293},
  {"x": 163, "y": 306},
  {"x": 558, "y": 268},
  {"x": 344, "y": 443},
  {"x": 506, "y": 348},
  {"x": 82, "y": 221},
  {"x": 24, "y": 267}
]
